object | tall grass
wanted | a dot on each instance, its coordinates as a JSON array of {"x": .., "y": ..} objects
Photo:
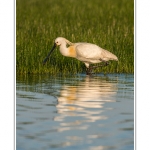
[{"x": 109, "y": 24}]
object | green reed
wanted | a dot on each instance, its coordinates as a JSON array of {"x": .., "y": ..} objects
[{"x": 109, "y": 24}]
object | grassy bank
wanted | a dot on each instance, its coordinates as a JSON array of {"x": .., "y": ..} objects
[{"x": 109, "y": 24}]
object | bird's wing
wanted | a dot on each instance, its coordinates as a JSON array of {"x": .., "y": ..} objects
[
  {"x": 92, "y": 51},
  {"x": 89, "y": 51}
]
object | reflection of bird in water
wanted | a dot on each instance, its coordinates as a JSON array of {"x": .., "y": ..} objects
[{"x": 86, "y": 96}]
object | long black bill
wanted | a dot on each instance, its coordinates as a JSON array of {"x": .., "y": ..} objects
[{"x": 45, "y": 60}]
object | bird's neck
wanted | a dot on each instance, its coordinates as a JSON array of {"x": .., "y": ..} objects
[{"x": 67, "y": 51}]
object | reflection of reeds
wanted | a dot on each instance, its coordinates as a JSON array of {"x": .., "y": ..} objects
[{"x": 108, "y": 24}]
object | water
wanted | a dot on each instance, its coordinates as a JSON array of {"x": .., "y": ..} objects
[{"x": 75, "y": 112}]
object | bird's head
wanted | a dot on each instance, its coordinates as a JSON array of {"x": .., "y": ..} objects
[{"x": 58, "y": 41}]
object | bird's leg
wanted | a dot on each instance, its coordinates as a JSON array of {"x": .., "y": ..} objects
[
  {"x": 89, "y": 70},
  {"x": 105, "y": 64}
]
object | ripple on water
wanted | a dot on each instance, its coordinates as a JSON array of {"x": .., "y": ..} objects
[{"x": 78, "y": 112}]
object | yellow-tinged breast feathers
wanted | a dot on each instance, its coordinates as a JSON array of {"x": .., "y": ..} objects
[{"x": 72, "y": 51}]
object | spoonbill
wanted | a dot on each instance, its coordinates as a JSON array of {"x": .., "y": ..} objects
[{"x": 88, "y": 53}]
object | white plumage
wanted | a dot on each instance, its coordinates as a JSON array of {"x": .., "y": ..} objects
[{"x": 86, "y": 52}]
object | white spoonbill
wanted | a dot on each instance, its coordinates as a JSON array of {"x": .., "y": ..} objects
[{"x": 86, "y": 52}]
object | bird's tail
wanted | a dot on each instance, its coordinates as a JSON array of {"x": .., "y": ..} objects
[
  {"x": 114, "y": 57},
  {"x": 108, "y": 55}
]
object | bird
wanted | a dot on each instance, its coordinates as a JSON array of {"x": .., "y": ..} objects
[{"x": 88, "y": 53}]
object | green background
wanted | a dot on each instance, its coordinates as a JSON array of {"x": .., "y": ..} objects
[{"x": 107, "y": 23}]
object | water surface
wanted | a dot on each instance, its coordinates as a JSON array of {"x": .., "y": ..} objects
[{"x": 75, "y": 112}]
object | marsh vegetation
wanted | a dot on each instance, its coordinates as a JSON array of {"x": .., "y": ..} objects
[{"x": 109, "y": 24}]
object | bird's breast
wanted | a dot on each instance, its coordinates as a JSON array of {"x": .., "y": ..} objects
[{"x": 71, "y": 51}]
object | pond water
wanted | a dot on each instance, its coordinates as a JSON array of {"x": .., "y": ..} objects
[{"x": 75, "y": 112}]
